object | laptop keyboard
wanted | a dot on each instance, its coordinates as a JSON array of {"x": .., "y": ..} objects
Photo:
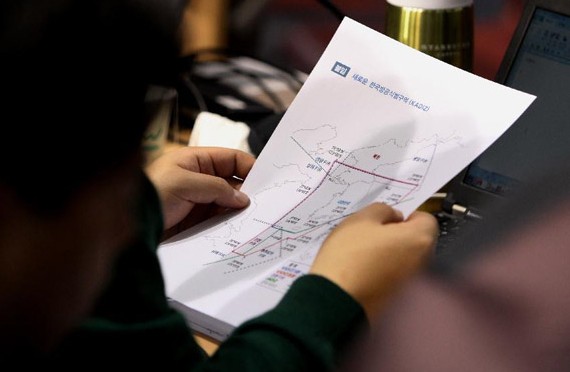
[{"x": 449, "y": 227}]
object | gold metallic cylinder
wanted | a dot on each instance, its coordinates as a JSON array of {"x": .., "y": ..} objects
[{"x": 444, "y": 33}]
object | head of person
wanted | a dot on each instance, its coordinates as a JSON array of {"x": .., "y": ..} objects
[{"x": 74, "y": 76}]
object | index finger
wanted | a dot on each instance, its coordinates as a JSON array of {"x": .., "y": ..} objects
[{"x": 218, "y": 161}]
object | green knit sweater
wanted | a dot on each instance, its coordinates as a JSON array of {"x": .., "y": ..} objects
[{"x": 133, "y": 326}]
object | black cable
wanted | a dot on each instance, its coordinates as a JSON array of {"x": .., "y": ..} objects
[
  {"x": 333, "y": 9},
  {"x": 258, "y": 80},
  {"x": 223, "y": 55},
  {"x": 256, "y": 77},
  {"x": 200, "y": 101}
]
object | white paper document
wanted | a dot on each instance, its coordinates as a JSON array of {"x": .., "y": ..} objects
[{"x": 375, "y": 121}]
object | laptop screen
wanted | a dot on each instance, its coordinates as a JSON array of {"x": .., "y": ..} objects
[{"x": 540, "y": 138}]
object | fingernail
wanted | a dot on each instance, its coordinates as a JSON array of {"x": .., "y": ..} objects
[{"x": 241, "y": 197}]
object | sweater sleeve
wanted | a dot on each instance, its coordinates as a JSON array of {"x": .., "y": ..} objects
[
  {"x": 133, "y": 325},
  {"x": 311, "y": 329}
]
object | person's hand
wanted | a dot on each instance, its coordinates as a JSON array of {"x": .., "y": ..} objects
[
  {"x": 372, "y": 252},
  {"x": 190, "y": 176}
]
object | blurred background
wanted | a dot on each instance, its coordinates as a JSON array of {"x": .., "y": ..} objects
[
  {"x": 293, "y": 33},
  {"x": 264, "y": 50}
]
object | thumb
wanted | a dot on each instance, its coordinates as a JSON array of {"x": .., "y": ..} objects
[{"x": 204, "y": 188}]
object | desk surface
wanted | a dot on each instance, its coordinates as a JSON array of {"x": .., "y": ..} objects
[{"x": 208, "y": 344}]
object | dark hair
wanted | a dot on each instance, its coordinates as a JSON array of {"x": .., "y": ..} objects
[{"x": 74, "y": 76}]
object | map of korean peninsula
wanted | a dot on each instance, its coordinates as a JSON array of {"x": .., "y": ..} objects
[{"x": 374, "y": 121}]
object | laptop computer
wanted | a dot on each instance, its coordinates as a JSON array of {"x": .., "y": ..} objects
[{"x": 537, "y": 61}]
